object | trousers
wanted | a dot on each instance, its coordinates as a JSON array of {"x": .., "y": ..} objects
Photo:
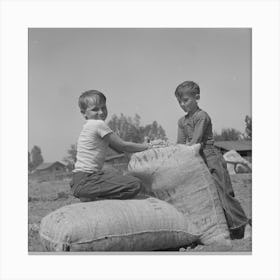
[
  {"x": 104, "y": 185},
  {"x": 235, "y": 215}
]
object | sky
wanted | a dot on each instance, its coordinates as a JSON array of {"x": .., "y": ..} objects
[{"x": 138, "y": 71}]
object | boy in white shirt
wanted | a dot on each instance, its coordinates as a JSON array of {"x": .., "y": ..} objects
[{"x": 89, "y": 181}]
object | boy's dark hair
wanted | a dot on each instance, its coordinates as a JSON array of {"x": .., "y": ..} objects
[
  {"x": 88, "y": 97},
  {"x": 188, "y": 87}
]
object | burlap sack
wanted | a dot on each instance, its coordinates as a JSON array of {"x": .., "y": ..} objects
[
  {"x": 236, "y": 163},
  {"x": 178, "y": 175},
  {"x": 116, "y": 225}
]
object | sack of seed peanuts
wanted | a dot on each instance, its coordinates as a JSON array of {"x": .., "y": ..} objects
[
  {"x": 116, "y": 225},
  {"x": 178, "y": 175}
]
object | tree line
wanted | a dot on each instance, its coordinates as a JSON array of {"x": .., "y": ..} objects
[
  {"x": 130, "y": 129},
  {"x": 35, "y": 158},
  {"x": 228, "y": 134}
]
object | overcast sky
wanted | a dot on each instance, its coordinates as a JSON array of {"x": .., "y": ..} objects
[{"x": 138, "y": 71}]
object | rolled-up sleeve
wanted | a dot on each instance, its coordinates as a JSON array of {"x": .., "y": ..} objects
[{"x": 103, "y": 129}]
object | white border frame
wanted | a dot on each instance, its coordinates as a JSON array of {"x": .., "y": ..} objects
[{"x": 17, "y": 16}]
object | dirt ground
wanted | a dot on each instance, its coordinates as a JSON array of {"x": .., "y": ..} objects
[{"x": 45, "y": 197}]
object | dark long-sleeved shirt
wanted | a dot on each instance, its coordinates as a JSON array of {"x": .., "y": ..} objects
[{"x": 195, "y": 128}]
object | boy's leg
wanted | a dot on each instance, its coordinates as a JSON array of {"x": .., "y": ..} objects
[
  {"x": 235, "y": 215},
  {"x": 106, "y": 185}
]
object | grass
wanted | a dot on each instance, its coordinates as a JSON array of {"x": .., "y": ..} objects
[{"x": 47, "y": 196}]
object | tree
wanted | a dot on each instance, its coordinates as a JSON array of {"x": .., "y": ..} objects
[
  {"x": 228, "y": 134},
  {"x": 126, "y": 127},
  {"x": 154, "y": 131},
  {"x": 248, "y": 127},
  {"x": 129, "y": 129},
  {"x": 36, "y": 157},
  {"x": 71, "y": 157}
]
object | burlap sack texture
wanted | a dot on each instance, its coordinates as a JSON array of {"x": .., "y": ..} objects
[
  {"x": 185, "y": 208},
  {"x": 178, "y": 175},
  {"x": 116, "y": 225}
]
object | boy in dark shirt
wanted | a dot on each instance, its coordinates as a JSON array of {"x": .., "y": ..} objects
[{"x": 196, "y": 127}]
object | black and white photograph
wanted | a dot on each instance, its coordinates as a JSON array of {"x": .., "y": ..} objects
[{"x": 140, "y": 139}]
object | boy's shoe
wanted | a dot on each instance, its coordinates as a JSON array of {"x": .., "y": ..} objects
[
  {"x": 244, "y": 231},
  {"x": 237, "y": 233}
]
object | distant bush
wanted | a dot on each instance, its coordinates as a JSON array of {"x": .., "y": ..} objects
[{"x": 228, "y": 134}]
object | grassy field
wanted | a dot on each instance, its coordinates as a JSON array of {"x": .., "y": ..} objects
[{"x": 45, "y": 197}]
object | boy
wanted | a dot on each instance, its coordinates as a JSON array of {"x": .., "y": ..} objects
[
  {"x": 196, "y": 127},
  {"x": 89, "y": 182}
]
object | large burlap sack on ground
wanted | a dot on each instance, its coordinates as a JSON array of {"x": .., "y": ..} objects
[
  {"x": 178, "y": 175},
  {"x": 236, "y": 163},
  {"x": 116, "y": 225}
]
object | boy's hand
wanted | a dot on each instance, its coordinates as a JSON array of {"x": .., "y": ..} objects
[
  {"x": 159, "y": 143},
  {"x": 147, "y": 140}
]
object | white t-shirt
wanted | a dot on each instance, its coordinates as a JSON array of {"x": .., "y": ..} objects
[{"x": 91, "y": 148}]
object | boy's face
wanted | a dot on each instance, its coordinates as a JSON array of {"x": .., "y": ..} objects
[
  {"x": 96, "y": 111},
  {"x": 188, "y": 102}
]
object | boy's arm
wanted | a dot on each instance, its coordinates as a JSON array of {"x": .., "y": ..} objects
[
  {"x": 114, "y": 149},
  {"x": 116, "y": 143},
  {"x": 181, "y": 136}
]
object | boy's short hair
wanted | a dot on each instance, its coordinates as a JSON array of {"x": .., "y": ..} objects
[
  {"x": 188, "y": 87},
  {"x": 89, "y": 97}
]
